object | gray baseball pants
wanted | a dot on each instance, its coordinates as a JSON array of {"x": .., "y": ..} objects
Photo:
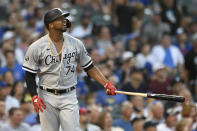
[{"x": 60, "y": 110}]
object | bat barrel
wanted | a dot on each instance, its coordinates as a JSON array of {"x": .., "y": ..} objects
[{"x": 166, "y": 97}]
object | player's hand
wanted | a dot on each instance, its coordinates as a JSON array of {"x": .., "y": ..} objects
[
  {"x": 110, "y": 89},
  {"x": 38, "y": 103}
]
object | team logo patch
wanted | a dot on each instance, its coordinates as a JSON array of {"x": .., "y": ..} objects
[{"x": 27, "y": 59}]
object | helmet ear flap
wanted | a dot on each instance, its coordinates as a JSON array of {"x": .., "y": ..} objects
[{"x": 68, "y": 23}]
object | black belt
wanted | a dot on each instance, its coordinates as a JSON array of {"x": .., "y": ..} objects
[{"x": 56, "y": 91}]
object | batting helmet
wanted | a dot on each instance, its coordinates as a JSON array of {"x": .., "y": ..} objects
[{"x": 53, "y": 15}]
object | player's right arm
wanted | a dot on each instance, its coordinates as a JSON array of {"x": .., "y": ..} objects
[
  {"x": 31, "y": 67},
  {"x": 31, "y": 82},
  {"x": 31, "y": 85}
]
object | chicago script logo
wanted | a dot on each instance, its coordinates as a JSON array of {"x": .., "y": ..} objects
[{"x": 50, "y": 60}]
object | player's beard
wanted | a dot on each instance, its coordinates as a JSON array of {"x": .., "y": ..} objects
[{"x": 63, "y": 30}]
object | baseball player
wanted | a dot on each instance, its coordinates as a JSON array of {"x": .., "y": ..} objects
[{"x": 54, "y": 58}]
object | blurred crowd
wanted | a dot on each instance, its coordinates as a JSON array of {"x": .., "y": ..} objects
[{"x": 139, "y": 45}]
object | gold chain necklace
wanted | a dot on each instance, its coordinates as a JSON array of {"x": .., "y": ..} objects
[{"x": 50, "y": 44}]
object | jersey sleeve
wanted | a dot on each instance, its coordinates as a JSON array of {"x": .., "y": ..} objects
[
  {"x": 85, "y": 60},
  {"x": 31, "y": 59}
]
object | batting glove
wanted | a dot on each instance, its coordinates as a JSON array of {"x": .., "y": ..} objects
[
  {"x": 38, "y": 103},
  {"x": 110, "y": 89}
]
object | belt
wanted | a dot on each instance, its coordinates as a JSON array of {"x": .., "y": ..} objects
[{"x": 56, "y": 91}]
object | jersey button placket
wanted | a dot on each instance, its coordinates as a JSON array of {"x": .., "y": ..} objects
[{"x": 60, "y": 64}]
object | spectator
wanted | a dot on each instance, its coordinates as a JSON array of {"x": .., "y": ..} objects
[
  {"x": 3, "y": 113},
  {"x": 182, "y": 41},
  {"x": 152, "y": 32},
  {"x": 12, "y": 66},
  {"x": 167, "y": 54},
  {"x": 54, "y": 4},
  {"x": 189, "y": 110},
  {"x": 10, "y": 101},
  {"x": 128, "y": 62},
  {"x": 79, "y": 7},
  {"x": 184, "y": 125},
  {"x": 81, "y": 87},
  {"x": 177, "y": 84},
  {"x": 101, "y": 13},
  {"x": 31, "y": 23},
  {"x": 24, "y": 38},
  {"x": 95, "y": 112},
  {"x": 190, "y": 69},
  {"x": 104, "y": 39},
  {"x": 2, "y": 58},
  {"x": 9, "y": 43},
  {"x": 106, "y": 100},
  {"x": 90, "y": 99},
  {"x": 192, "y": 29},
  {"x": 110, "y": 53},
  {"x": 124, "y": 120},
  {"x": 119, "y": 47},
  {"x": 8, "y": 37},
  {"x": 187, "y": 94},
  {"x": 105, "y": 122},
  {"x": 188, "y": 116},
  {"x": 4, "y": 9},
  {"x": 150, "y": 126},
  {"x": 170, "y": 14},
  {"x": 160, "y": 82},
  {"x": 144, "y": 56},
  {"x": 157, "y": 112},
  {"x": 137, "y": 123},
  {"x": 137, "y": 21},
  {"x": 132, "y": 45},
  {"x": 8, "y": 78},
  {"x": 170, "y": 120},
  {"x": 111, "y": 66},
  {"x": 136, "y": 83},
  {"x": 38, "y": 12},
  {"x": 144, "y": 2},
  {"x": 15, "y": 121},
  {"x": 95, "y": 55},
  {"x": 89, "y": 42},
  {"x": 85, "y": 27},
  {"x": 84, "y": 121},
  {"x": 139, "y": 110},
  {"x": 6, "y": 46},
  {"x": 124, "y": 14},
  {"x": 18, "y": 91},
  {"x": 28, "y": 112},
  {"x": 187, "y": 7}
]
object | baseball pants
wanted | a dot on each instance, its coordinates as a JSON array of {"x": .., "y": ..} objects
[{"x": 60, "y": 110}]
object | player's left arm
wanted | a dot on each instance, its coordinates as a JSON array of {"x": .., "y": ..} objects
[{"x": 96, "y": 74}]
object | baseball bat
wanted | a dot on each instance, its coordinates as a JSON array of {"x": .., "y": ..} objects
[{"x": 155, "y": 96}]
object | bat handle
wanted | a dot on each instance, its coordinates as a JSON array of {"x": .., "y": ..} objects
[{"x": 166, "y": 97}]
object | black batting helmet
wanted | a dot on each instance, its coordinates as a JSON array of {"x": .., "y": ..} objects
[{"x": 53, "y": 15}]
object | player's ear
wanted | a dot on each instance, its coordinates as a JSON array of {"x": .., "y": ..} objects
[{"x": 50, "y": 25}]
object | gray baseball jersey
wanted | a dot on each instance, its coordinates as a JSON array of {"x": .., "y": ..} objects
[{"x": 52, "y": 72}]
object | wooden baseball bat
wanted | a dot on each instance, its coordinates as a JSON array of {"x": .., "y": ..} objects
[{"x": 155, "y": 96}]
